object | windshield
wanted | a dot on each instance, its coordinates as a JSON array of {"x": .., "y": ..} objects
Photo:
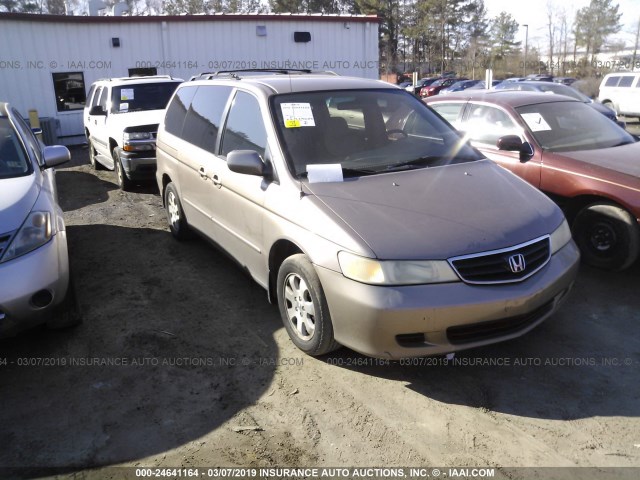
[
  {"x": 569, "y": 126},
  {"x": 365, "y": 131},
  {"x": 142, "y": 96},
  {"x": 13, "y": 160}
]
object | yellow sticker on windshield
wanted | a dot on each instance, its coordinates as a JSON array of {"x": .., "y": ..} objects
[{"x": 297, "y": 115}]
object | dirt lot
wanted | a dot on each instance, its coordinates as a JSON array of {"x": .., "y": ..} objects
[{"x": 196, "y": 353}]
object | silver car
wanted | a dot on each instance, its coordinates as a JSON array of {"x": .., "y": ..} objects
[
  {"x": 365, "y": 216},
  {"x": 34, "y": 264}
]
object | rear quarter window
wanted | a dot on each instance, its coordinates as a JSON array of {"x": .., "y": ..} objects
[
  {"x": 612, "y": 81},
  {"x": 177, "y": 110},
  {"x": 625, "y": 81}
]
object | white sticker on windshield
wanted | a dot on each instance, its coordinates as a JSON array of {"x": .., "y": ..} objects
[
  {"x": 126, "y": 94},
  {"x": 327, "y": 172},
  {"x": 297, "y": 115},
  {"x": 124, "y": 107},
  {"x": 536, "y": 122}
]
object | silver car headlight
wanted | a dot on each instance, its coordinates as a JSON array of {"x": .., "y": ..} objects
[
  {"x": 395, "y": 272},
  {"x": 34, "y": 232},
  {"x": 560, "y": 237}
]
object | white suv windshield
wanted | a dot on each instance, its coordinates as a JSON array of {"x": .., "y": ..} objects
[
  {"x": 142, "y": 96},
  {"x": 13, "y": 160},
  {"x": 365, "y": 131}
]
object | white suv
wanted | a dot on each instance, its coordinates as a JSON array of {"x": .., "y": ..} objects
[{"x": 121, "y": 121}]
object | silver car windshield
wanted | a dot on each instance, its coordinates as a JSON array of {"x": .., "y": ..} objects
[
  {"x": 365, "y": 131},
  {"x": 13, "y": 160},
  {"x": 572, "y": 126}
]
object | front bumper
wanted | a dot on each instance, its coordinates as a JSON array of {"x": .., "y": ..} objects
[
  {"x": 46, "y": 269},
  {"x": 411, "y": 321},
  {"x": 138, "y": 165}
]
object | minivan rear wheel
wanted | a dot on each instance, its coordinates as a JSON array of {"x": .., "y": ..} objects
[
  {"x": 608, "y": 236},
  {"x": 303, "y": 307},
  {"x": 175, "y": 215}
]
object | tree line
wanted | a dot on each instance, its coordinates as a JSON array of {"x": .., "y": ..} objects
[{"x": 428, "y": 36}]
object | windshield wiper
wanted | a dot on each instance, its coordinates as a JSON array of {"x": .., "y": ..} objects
[{"x": 416, "y": 162}]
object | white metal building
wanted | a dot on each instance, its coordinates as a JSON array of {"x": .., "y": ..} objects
[{"x": 48, "y": 62}]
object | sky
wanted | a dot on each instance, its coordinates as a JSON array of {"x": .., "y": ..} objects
[{"x": 534, "y": 13}]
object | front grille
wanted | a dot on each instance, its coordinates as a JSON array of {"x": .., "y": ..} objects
[
  {"x": 477, "y": 332},
  {"x": 5, "y": 239},
  {"x": 496, "y": 266}
]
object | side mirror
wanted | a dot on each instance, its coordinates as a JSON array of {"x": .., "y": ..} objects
[
  {"x": 511, "y": 143},
  {"x": 97, "y": 110},
  {"x": 55, "y": 155},
  {"x": 247, "y": 162}
]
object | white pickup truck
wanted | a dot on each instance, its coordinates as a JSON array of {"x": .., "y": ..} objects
[{"x": 121, "y": 120}]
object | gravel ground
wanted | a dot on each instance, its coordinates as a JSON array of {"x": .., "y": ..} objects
[{"x": 182, "y": 362}]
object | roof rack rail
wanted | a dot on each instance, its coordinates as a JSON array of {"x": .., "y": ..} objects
[{"x": 235, "y": 73}]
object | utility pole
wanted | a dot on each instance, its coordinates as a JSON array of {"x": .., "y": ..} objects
[{"x": 526, "y": 46}]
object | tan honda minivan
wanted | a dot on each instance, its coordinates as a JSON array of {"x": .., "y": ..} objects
[{"x": 392, "y": 242}]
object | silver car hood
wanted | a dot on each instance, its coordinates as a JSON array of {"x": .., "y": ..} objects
[
  {"x": 437, "y": 213},
  {"x": 16, "y": 201}
]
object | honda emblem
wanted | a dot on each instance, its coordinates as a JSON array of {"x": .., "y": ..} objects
[{"x": 517, "y": 263}]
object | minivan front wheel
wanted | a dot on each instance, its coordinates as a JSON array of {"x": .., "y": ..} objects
[
  {"x": 303, "y": 307},
  {"x": 175, "y": 215},
  {"x": 608, "y": 236}
]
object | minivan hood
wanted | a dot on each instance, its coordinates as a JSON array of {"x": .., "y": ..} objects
[
  {"x": 623, "y": 159},
  {"x": 437, "y": 213},
  {"x": 18, "y": 197}
]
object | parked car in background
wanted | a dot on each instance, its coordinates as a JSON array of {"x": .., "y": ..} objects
[
  {"x": 423, "y": 82},
  {"x": 121, "y": 119},
  {"x": 621, "y": 93},
  {"x": 460, "y": 86},
  {"x": 35, "y": 285},
  {"x": 586, "y": 163},
  {"x": 564, "y": 80},
  {"x": 481, "y": 85},
  {"x": 549, "y": 87},
  {"x": 540, "y": 77},
  {"x": 364, "y": 216},
  {"x": 435, "y": 87}
]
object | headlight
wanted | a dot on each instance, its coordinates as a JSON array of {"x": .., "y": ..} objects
[
  {"x": 395, "y": 272},
  {"x": 34, "y": 232},
  {"x": 560, "y": 237},
  {"x": 137, "y": 136}
]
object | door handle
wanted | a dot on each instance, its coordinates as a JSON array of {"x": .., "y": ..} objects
[
  {"x": 216, "y": 181},
  {"x": 202, "y": 173}
]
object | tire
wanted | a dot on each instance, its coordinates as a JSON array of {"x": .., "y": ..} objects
[
  {"x": 68, "y": 313},
  {"x": 92, "y": 157},
  {"x": 175, "y": 215},
  {"x": 299, "y": 290},
  {"x": 123, "y": 181},
  {"x": 610, "y": 106},
  {"x": 608, "y": 236}
]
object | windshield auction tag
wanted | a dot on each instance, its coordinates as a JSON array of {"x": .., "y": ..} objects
[
  {"x": 126, "y": 94},
  {"x": 536, "y": 122},
  {"x": 297, "y": 115},
  {"x": 324, "y": 172},
  {"x": 124, "y": 107}
]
